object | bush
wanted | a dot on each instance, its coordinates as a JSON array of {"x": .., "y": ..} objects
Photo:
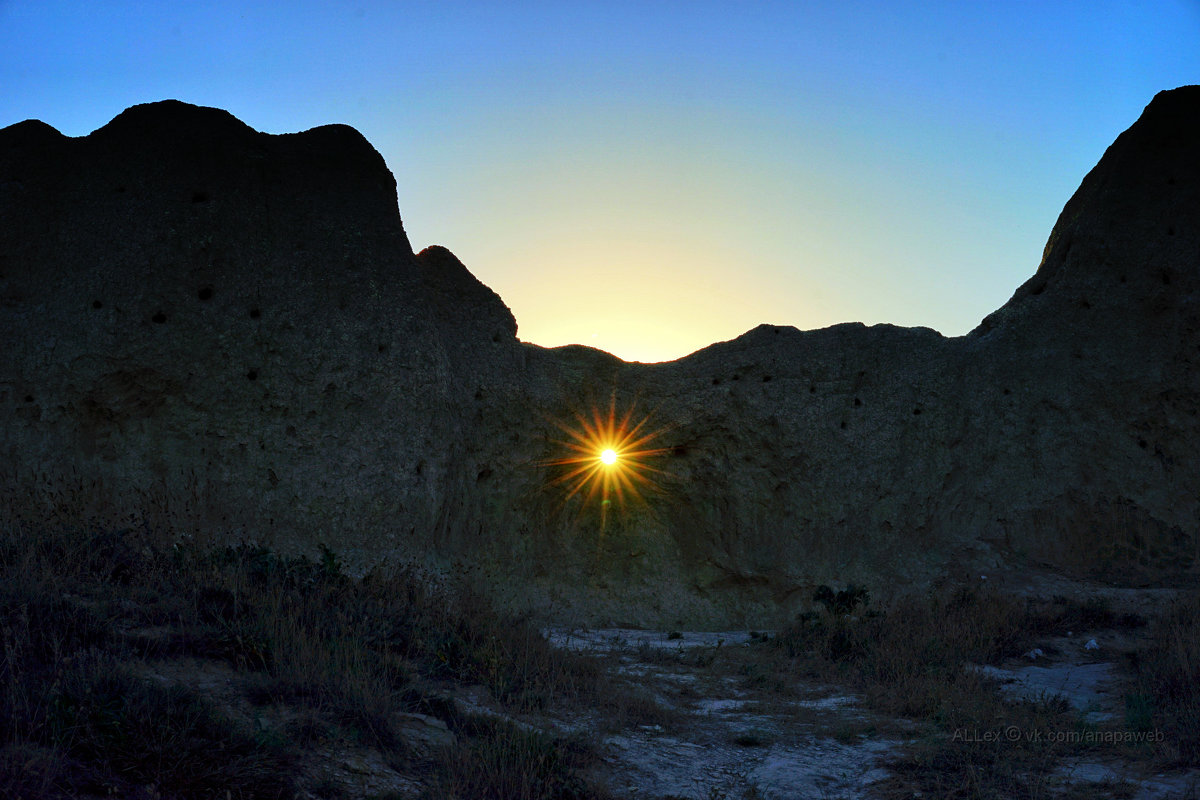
[{"x": 1167, "y": 683}]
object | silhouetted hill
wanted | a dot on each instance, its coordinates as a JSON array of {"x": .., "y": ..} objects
[{"x": 229, "y": 332}]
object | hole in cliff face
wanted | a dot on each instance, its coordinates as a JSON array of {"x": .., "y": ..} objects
[
  {"x": 1165, "y": 277},
  {"x": 496, "y": 337},
  {"x": 252, "y": 375},
  {"x": 1170, "y": 230},
  {"x": 290, "y": 430},
  {"x": 716, "y": 381},
  {"x": 1121, "y": 278},
  {"x": 420, "y": 467},
  {"x": 479, "y": 394},
  {"x": 857, "y": 403},
  {"x": 1038, "y": 289},
  {"x": 97, "y": 304},
  {"x": 199, "y": 197},
  {"x": 383, "y": 348},
  {"x": 812, "y": 389},
  {"x": 205, "y": 294},
  {"x": 679, "y": 450},
  {"x": 1007, "y": 391},
  {"x": 484, "y": 474},
  {"x": 916, "y": 412},
  {"x": 255, "y": 313},
  {"x": 159, "y": 318},
  {"x": 766, "y": 378},
  {"x": 1084, "y": 304},
  {"x": 28, "y": 398},
  {"x": 842, "y": 425},
  {"x": 1143, "y": 444},
  {"x": 1171, "y": 181},
  {"x": 120, "y": 189},
  {"x": 736, "y": 378}
]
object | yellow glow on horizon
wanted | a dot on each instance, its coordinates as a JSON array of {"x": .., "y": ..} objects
[{"x": 656, "y": 301}]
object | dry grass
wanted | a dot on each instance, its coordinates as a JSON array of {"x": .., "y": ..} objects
[
  {"x": 84, "y": 611},
  {"x": 83, "y": 614},
  {"x": 505, "y": 762},
  {"x": 1166, "y": 694},
  {"x": 71, "y": 705},
  {"x": 910, "y": 660}
]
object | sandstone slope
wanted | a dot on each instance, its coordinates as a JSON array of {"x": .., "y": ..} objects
[{"x": 228, "y": 332}]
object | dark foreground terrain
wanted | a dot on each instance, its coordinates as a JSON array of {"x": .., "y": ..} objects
[{"x": 136, "y": 665}]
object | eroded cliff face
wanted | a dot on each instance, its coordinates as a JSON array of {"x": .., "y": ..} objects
[{"x": 228, "y": 332}]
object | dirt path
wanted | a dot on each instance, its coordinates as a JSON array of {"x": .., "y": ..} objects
[{"x": 735, "y": 731}]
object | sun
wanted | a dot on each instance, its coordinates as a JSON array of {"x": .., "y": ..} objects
[{"x": 607, "y": 458}]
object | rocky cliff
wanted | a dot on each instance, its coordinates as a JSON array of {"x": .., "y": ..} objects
[{"x": 228, "y": 333}]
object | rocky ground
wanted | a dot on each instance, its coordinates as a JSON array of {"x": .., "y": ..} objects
[
  {"x": 723, "y": 722},
  {"x": 170, "y": 673},
  {"x": 742, "y": 734},
  {"x": 730, "y": 730},
  {"x": 737, "y": 732}
]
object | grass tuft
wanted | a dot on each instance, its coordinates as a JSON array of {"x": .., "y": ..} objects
[{"x": 507, "y": 762}]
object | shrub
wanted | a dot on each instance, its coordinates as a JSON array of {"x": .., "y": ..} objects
[{"x": 1167, "y": 682}]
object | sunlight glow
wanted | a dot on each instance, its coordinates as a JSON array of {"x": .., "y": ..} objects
[{"x": 607, "y": 458}]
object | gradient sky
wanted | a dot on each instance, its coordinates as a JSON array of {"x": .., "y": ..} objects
[{"x": 651, "y": 177}]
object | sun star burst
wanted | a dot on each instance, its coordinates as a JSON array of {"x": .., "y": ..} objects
[{"x": 607, "y": 458}]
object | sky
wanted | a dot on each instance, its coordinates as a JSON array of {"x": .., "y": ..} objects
[{"x": 652, "y": 177}]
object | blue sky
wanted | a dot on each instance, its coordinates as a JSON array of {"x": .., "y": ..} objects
[{"x": 652, "y": 177}]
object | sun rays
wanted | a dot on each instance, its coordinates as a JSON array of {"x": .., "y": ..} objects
[{"x": 607, "y": 458}]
